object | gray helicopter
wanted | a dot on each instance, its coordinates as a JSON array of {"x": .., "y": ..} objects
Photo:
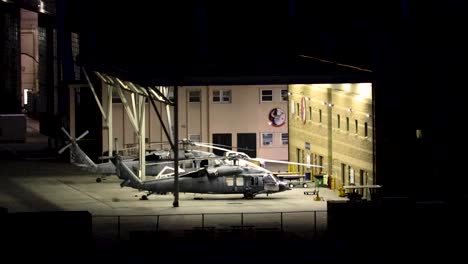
[
  {"x": 225, "y": 176},
  {"x": 158, "y": 162}
]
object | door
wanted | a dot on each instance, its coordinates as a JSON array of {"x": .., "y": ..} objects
[
  {"x": 224, "y": 141},
  {"x": 247, "y": 143}
]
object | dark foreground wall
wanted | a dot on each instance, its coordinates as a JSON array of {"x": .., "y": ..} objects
[{"x": 45, "y": 235}]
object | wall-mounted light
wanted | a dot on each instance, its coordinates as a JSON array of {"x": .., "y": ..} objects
[
  {"x": 41, "y": 7},
  {"x": 368, "y": 115},
  {"x": 325, "y": 103},
  {"x": 350, "y": 110},
  {"x": 289, "y": 93},
  {"x": 307, "y": 98},
  {"x": 330, "y": 105}
]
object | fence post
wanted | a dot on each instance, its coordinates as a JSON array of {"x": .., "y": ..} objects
[
  {"x": 281, "y": 222},
  {"x": 118, "y": 227},
  {"x": 157, "y": 224},
  {"x": 242, "y": 220},
  {"x": 315, "y": 224}
]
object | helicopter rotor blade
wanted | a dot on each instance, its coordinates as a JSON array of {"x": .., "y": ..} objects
[
  {"x": 64, "y": 148},
  {"x": 210, "y": 146},
  {"x": 82, "y": 135},
  {"x": 286, "y": 162},
  {"x": 66, "y": 133}
]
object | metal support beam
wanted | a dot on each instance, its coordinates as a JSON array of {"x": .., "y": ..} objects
[
  {"x": 127, "y": 108},
  {"x": 141, "y": 136},
  {"x": 107, "y": 116},
  {"x": 95, "y": 95},
  {"x": 176, "y": 149},
  {"x": 169, "y": 123},
  {"x": 160, "y": 119},
  {"x": 109, "y": 123}
]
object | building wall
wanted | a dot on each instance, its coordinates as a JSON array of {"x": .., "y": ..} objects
[
  {"x": 10, "y": 75},
  {"x": 320, "y": 137},
  {"x": 244, "y": 114}
]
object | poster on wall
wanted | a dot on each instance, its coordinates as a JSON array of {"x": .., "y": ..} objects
[{"x": 277, "y": 117}]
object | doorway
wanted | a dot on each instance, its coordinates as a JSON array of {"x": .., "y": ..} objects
[
  {"x": 247, "y": 143},
  {"x": 224, "y": 140}
]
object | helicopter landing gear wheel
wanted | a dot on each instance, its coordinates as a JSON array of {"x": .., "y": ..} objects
[
  {"x": 249, "y": 195},
  {"x": 98, "y": 180}
]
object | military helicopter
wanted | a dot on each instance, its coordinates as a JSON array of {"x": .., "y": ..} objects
[
  {"x": 160, "y": 160},
  {"x": 233, "y": 173},
  {"x": 222, "y": 177}
]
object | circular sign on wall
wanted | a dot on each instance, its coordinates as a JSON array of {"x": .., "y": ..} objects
[
  {"x": 277, "y": 117},
  {"x": 303, "y": 110}
]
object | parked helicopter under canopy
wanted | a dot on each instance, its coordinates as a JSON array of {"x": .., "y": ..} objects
[
  {"x": 160, "y": 160},
  {"x": 234, "y": 173},
  {"x": 221, "y": 178}
]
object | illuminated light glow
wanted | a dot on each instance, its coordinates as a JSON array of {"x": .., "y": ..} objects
[
  {"x": 330, "y": 105},
  {"x": 25, "y": 96},
  {"x": 350, "y": 110},
  {"x": 41, "y": 7}
]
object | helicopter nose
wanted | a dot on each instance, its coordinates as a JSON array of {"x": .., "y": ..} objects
[{"x": 283, "y": 187}]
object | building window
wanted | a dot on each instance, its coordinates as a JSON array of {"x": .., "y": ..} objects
[
  {"x": 365, "y": 129},
  {"x": 267, "y": 139},
  {"x": 356, "y": 125},
  {"x": 338, "y": 121},
  {"x": 310, "y": 113},
  {"x": 195, "y": 138},
  {"x": 284, "y": 95},
  {"x": 222, "y": 96},
  {"x": 194, "y": 96},
  {"x": 267, "y": 95},
  {"x": 347, "y": 123},
  {"x": 284, "y": 138},
  {"x": 320, "y": 115},
  {"x": 297, "y": 109}
]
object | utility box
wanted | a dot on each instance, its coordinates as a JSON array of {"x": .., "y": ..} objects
[{"x": 13, "y": 127}]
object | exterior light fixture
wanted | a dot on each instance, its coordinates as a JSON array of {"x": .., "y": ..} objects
[
  {"x": 330, "y": 105},
  {"x": 350, "y": 110},
  {"x": 368, "y": 115},
  {"x": 41, "y": 7}
]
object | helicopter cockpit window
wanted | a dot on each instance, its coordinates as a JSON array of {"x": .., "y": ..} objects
[
  {"x": 203, "y": 163},
  {"x": 268, "y": 178}
]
